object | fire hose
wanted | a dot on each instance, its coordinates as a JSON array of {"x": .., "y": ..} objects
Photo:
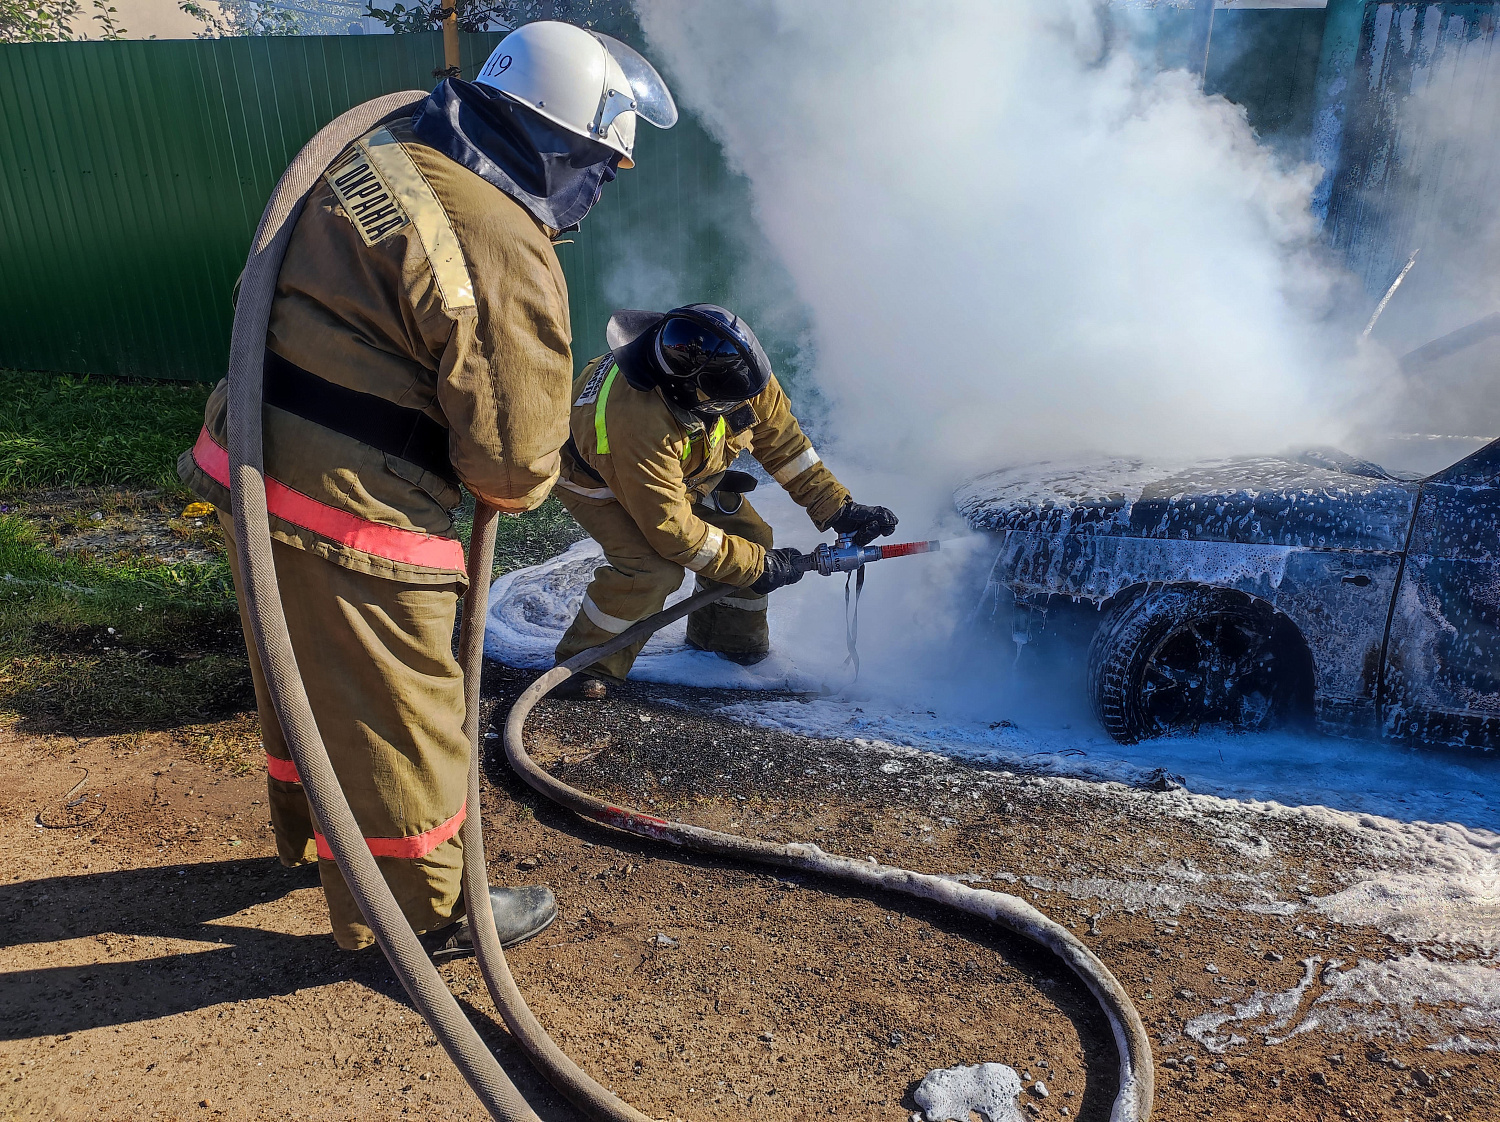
[{"x": 336, "y": 821}]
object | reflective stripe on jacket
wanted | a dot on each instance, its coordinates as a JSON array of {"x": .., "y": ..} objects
[
  {"x": 410, "y": 278},
  {"x": 657, "y": 461}
]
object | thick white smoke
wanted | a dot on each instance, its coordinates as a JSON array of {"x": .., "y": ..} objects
[
  {"x": 1443, "y": 156},
  {"x": 1013, "y": 242}
]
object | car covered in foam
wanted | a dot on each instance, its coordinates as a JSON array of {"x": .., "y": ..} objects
[{"x": 1253, "y": 590}]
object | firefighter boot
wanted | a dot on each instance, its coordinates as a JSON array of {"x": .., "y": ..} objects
[{"x": 520, "y": 913}]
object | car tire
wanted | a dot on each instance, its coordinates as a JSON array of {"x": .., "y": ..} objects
[{"x": 1180, "y": 658}]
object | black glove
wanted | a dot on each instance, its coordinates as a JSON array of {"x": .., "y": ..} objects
[
  {"x": 866, "y": 523},
  {"x": 783, "y": 566}
]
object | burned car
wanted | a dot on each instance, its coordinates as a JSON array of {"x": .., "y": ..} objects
[{"x": 1260, "y": 590}]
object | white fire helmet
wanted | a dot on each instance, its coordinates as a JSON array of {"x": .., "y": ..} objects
[{"x": 585, "y": 82}]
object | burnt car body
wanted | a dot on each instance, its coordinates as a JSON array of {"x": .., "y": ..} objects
[{"x": 1379, "y": 595}]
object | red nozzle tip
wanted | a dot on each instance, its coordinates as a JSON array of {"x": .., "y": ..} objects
[{"x": 908, "y": 549}]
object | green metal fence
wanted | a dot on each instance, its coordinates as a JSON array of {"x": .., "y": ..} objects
[{"x": 132, "y": 175}]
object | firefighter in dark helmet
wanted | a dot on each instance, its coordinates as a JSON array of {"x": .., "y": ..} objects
[{"x": 656, "y": 424}]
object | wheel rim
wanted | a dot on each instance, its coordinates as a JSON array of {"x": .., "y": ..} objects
[{"x": 1214, "y": 670}]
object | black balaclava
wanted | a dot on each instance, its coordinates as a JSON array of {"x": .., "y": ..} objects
[{"x": 555, "y": 174}]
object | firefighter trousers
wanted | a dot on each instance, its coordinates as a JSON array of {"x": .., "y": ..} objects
[
  {"x": 376, "y": 657},
  {"x": 635, "y": 582}
]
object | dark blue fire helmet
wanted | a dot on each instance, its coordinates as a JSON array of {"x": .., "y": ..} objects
[{"x": 704, "y": 358}]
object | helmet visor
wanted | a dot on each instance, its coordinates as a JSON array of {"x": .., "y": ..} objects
[
  {"x": 653, "y": 100},
  {"x": 694, "y": 352}
]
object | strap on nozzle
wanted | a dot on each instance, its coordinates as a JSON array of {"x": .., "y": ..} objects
[{"x": 851, "y": 619}]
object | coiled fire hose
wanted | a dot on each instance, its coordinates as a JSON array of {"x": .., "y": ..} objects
[{"x": 393, "y": 933}]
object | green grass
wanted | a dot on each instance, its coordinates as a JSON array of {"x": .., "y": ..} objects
[
  {"x": 527, "y": 539},
  {"x": 69, "y": 431},
  {"x": 92, "y": 644},
  {"x": 534, "y": 537},
  {"x": 132, "y": 582}
]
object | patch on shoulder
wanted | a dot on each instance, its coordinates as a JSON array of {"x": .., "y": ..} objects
[
  {"x": 367, "y": 199},
  {"x": 591, "y": 388},
  {"x": 742, "y": 418},
  {"x": 383, "y": 192}
]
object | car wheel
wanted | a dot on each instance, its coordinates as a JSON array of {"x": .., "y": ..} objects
[{"x": 1179, "y": 659}]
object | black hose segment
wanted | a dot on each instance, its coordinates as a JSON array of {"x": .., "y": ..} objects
[{"x": 1137, "y": 1084}]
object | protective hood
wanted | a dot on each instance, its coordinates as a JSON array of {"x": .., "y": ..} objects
[{"x": 554, "y": 174}]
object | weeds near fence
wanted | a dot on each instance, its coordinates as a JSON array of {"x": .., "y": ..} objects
[
  {"x": 68, "y": 431},
  {"x": 528, "y": 539},
  {"x": 103, "y": 645},
  {"x": 106, "y": 640}
]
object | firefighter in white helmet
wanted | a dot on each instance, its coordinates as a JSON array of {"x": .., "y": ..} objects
[
  {"x": 561, "y": 78},
  {"x": 419, "y": 344}
]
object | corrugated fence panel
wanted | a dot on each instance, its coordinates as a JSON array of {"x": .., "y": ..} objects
[{"x": 132, "y": 175}]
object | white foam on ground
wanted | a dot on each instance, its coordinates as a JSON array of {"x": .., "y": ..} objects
[
  {"x": 1349, "y": 775},
  {"x": 1373, "y": 999},
  {"x": 932, "y": 706},
  {"x": 1427, "y": 882},
  {"x": 531, "y": 608},
  {"x": 1454, "y": 897},
  {"x": 953, "y": 1094}
]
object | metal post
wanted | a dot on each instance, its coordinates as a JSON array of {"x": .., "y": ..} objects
[
  {"x": 1203, "y": 33},
  {"x": 450, "y": 39}
]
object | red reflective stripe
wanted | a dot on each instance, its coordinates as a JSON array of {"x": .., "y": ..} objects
[
  {"x": 615, "y": 814},
  {"x": 391, "y": 542},
  {"x": 419, "y": 845},
  {"x": 284, "y": 770},
  {"x": 906, "y": 549}
]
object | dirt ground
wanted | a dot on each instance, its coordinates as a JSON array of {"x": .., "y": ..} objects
[
  {"x": 156, "y": 961},
  {"x": 127, "y": 522}
]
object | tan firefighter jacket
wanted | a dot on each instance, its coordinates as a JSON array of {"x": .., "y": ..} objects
[
  {"x": 656, "y": 461},
  {"x": 413, "y": 281}
]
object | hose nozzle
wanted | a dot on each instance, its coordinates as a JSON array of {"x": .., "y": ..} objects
[{"x": 843, "y": 556}]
